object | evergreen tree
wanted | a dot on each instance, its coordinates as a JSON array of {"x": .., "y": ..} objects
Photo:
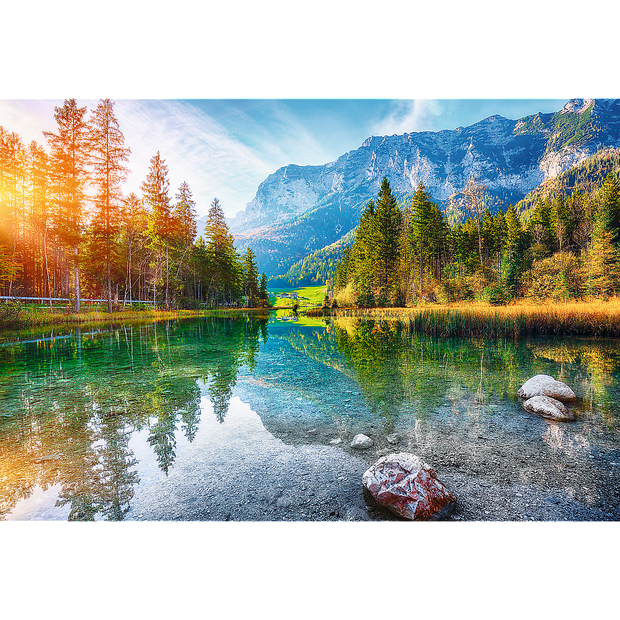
[
  {"x": 344, "y": 270},
  {"x": 250, "y": 278},
  {"x": 420, "y": 230},
  {"x": 184, "y": 214},
  {"x": 263, "y": 295},
  {"x": 163, "y": 224},
  {"x": 512, "y": 255},
  {"x": 474, "y": 195},
  {"x": 602, "y": 261},
  {"x": 69, "y": 159},
  {"x": 386, "y": 231},
  {"x": 541, "y": 228},
  {"x": 225, "y": 272},
  {"x": 40, "y": 213},
  {"x": 107, "y": 154},
  {"x": 364, "y": 257},
  {"x": 610, "y": 207}
]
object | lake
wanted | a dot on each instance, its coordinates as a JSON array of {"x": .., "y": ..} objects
[{"x": 252, "y": 418}]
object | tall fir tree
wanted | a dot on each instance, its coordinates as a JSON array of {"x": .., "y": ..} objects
[
  {"x": 184, "y": 212},
  {"x": 474, "y": 196},
  {"x": 107, "y": 156},
  {"x": 602, "y": 261},
  {"x": 224, "y": 275},
  {"x": 163, "y": 224},
  {"x": 421, "y": 231},
  {"x": 250, "y": 277},
  {"x": 610, "y": 206},
  {"x": 263, "y": 295},
  {"x": 387, "y": 230},
  {"x": 364, "y": 257},
  {"x": 512, "y": 252},
  {"x": 69, "y": 166}
]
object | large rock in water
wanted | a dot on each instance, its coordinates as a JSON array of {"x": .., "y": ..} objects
[
  {"x": 408, "y": 487},
  {"x": 548, "y": 408},
  {"x": 545, "y": 385}
]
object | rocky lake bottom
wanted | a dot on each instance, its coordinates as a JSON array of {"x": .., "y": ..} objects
[{"x": 197, "y": 431}]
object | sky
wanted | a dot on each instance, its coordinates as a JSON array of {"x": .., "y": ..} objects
[{"x": 225, "y": 148}]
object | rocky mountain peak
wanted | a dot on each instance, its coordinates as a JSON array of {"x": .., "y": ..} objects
[{"x": 311, "y": 207}]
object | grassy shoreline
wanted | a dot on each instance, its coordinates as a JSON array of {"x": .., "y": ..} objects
[
  {"x": 31, "y": 318},
  {"x": 520, "y": 320}
]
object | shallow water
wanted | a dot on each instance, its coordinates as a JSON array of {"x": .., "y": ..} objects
[{"x": 216, "y": 419}]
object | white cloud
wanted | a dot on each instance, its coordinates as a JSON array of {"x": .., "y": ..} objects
[
  {"x": 196, "y": 149},
  {"x": 408, "y": 116}
]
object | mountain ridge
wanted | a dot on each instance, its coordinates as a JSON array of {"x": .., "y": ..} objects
[{"x": 298, "y": 210}]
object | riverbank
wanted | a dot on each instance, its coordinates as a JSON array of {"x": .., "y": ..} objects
[{"x": 518, "y": 320}]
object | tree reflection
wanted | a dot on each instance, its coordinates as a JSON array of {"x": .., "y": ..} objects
[{"x": 76, "y": 400}]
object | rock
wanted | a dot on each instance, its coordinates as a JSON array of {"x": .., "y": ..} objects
[
  {"x": 545, "y": 385},
  {"x": 548, "y": 408},
  {"x": 312, "y": 431},
  {"x": 407, "y": 486},
  {"x": 392, "y": 438},
  {"x": 361, "y": 441},
  {"x": 335, "y": 442}
]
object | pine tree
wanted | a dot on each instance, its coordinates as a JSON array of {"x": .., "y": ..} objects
[
  {"x": 134, "y": 244},
  {"x": 474, "y": 195},
  {"x": 184, "y": 213},
  {"x": 610, "y": 206},
  {"x": 107, "y": 154},
  {"x": 162, "y": 225},
  {"x": 602, "y": 261},
  {"x": 263, "y": 295},
  {"x": 387, "y": 230},
  {"x": 364, "y": 257},
  {"x": 250, "y": 277},
  {"x": 225, "y": 272},
  {"x": 40, "y": 216},
  {"x": 513, "y": 246},
  {"x": 12, "y": 162},
  {"x": 421, "y": 230},
  {"x": 69, "y": 163}
]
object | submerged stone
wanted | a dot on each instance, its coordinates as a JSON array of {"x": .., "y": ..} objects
[
  {"x": 548, "y": 407},
  {"x": 361, "y": 441},
  {"x": 409, "y": 487}
]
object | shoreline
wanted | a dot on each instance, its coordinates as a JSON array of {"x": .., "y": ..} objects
[{"x": 519, "y": 320}]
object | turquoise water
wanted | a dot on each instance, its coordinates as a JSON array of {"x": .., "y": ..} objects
[{"x": 121, "y": 422}]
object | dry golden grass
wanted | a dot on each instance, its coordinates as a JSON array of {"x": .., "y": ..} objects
[
  {"x": 584, "y": 318},
  {"x": 36, "y": 317}
]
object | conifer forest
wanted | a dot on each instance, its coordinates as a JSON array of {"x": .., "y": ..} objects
[
  {"x": 67, "y": 230},
  {"x": 560, "y": 243}
]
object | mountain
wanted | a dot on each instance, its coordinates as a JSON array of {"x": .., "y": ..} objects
[{"x": 299, "y": 210}]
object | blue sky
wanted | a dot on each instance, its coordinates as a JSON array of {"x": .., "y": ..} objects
[{"x": 225, "y": 148}]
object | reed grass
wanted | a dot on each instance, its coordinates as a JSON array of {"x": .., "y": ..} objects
[
  {"x": 591, "y": 318},
  {"x": 41, "y": 317}
]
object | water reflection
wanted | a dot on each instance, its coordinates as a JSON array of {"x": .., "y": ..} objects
[{"x": 71, "y": 402}]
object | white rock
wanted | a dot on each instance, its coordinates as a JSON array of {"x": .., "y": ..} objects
[
  {"x": 545, "y": 385},
  {"x": 392, "y": 438},
  {"x": 361, "y": 441},
  {"x": 335, "y": 442},
  {"x": 548, "y": 408}
]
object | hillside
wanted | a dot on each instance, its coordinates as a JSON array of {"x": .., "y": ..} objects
[{"x": 299, "y": 210}]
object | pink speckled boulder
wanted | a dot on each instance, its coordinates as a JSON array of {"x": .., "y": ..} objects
[{"x": 408, "y": 487}]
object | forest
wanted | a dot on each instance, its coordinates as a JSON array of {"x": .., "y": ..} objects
[
  {"x": 562, "y": 242},
  {"x": 67, "y": 230}
]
